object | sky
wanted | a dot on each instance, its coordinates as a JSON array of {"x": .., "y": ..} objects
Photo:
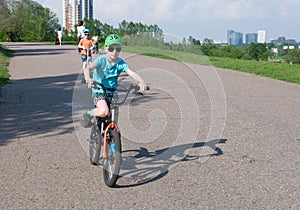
[{"x": 200, "y": 18}]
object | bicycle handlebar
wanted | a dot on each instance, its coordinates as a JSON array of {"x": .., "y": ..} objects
[
  {"x": 134, "y": 88},
  {"x": 82, "y": 47}
]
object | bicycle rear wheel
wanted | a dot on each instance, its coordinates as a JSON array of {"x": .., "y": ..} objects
[
  {"x": 111, "y": 165},
  {"x": 95, "y": 145}
]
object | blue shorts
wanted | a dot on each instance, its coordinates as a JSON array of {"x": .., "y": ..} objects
[
  {"x": 84, "y": 58},
  {"x": 98, "y": 98},
  {"x": 102, "y": 97}
]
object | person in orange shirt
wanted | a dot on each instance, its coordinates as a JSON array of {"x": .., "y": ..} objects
[{"x": 86, "y": 45}]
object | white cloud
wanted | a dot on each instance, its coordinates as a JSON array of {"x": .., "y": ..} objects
[
  {"x": 160, "y": 10},
  {"x": 132, "y": 10},
  {"x": 222, "y": 9}
]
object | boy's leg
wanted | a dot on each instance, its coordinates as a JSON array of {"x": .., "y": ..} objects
[
  {"x": 89, "y": 60},
  {"x": 84, "y": 61},
  {"x": 101, "y": 110},
  {"x": 84, "y": 65}
]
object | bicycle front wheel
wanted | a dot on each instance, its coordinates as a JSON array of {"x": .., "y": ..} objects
[
  {"x": 95, "y": 145},
  {"x": 112, "y": 165}
]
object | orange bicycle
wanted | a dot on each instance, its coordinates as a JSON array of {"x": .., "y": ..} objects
[{"x": 105, "y": 138}]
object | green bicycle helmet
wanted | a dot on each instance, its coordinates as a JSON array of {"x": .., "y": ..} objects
[{"x": 112, "y": 39}]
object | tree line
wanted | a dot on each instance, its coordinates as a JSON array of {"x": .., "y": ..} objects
[
  {"x": 124, "y": 28},
  {"x": 26, "y": 20}
]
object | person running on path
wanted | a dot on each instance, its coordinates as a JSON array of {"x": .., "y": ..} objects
[
  {"x": 80, "y": 32},
  {"x": 59, "y": 35}
]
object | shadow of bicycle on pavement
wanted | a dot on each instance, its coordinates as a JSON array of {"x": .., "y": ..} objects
[{"x": 140, "y": 166}]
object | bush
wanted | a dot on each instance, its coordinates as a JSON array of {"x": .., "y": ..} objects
[
  {"x": 4, "y": 37},
  {"x": 228, "y": 52},
  {"x": 293, "y": 56},
  {"x": 258, "y": 51},
  {"x": 143, "y": 40}
]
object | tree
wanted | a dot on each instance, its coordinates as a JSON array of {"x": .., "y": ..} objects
[
  {"x": 95, "y": 26},
  {"x": 158, "y": 33},
  {"x": 229, "y": 51},
  {"x": 293, "y": 56},
  {"x": 207, "y": 45},
  {"x": 258, "y": 51},
  {"x": 107, "y": 29},
  {"x": 194, "y": 41},
  {"x": 123, "y": 28},
  {"x": 4, "y": 16},
  {"x": 4, "y": 21},
  {"x": 30, "y": 21}
]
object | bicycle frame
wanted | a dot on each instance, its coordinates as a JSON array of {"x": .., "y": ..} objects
[
  {"x": 113, "y": 124},
  {"x": 114, "y": 104}
]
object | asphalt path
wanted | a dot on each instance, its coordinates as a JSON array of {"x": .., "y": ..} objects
[{"x": 201, "y": 138}]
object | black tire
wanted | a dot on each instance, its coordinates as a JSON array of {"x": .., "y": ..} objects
[
  {"x": 111, "y": 165},
  {"x": 95, "y": 145}
]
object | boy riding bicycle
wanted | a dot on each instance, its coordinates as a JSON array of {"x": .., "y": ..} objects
[
  {"x": 106, "y": 70},
  {"x": 86, "y": 46}
]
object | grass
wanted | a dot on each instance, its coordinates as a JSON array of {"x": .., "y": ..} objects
[
  {"x": 168, "y": 54},
  {"x": 279, "y": 71},
  {"x": 4, "y": 57}
]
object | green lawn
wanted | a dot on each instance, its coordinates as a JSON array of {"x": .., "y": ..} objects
[
  {"x": 4, "y": 58},
  {"x": 279, "y": 71}
]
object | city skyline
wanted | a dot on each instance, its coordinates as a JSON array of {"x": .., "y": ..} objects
[
  {"x": 200, "y": 19},
  {"x": 239, "y": 38}
]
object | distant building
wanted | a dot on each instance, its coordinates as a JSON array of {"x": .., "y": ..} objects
[
  {"x": 87, "y": 9},
  {"x": 251, "y": 38},
  {"x": 273, "y": 41},
  {"x": 281, "y": 40},
  {"x": 261, "y": 36},
  {"x": 234, "y": 38},
  {"x": 74, "y": 11},
  {"x": 291, "y": 41}
]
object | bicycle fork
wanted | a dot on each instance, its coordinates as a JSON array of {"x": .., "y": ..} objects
[{"x": 111, "y": 125}]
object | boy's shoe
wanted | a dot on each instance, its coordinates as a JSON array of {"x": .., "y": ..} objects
[{"x": 86, "y": 120}]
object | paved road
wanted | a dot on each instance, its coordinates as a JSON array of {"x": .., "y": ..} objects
[{"x": 200, "y": 139}]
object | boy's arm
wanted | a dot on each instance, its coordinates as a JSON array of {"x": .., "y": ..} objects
[
  {"x": 92, "y": 45},
  {"x": 87, "y": 72},
  {"x": 79, "y": 44},
  {"x": 138, "y": 79}
]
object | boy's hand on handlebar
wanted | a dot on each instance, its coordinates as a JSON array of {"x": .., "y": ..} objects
[
  {"x": 89, "y": 82},
  {"x": 143, "y": 86}
]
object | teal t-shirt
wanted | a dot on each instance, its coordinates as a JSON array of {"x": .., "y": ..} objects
[{"x": 108, "y": 74}]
